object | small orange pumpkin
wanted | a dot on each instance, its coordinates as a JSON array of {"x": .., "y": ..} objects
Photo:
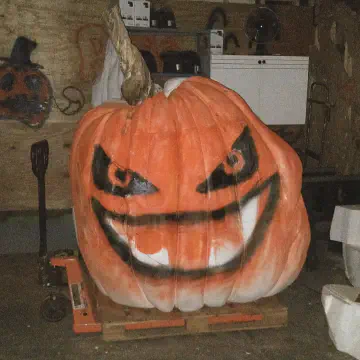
[{"x": 187, "y": 200}]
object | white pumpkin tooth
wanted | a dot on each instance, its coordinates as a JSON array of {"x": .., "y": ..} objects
[
  {"x": 218, "y": 255},
  {"x": 249, "y": 217},
  {"x": 110, "y": 222},
  {"x": 221, "y": 255},
  {"x": 161, "y": 258}
]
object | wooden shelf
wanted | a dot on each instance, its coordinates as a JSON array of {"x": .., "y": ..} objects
[
  {"x": 161, "y": 78},
  {"x": 156, "y": 31},
  {"x": 164, "y": 74}
]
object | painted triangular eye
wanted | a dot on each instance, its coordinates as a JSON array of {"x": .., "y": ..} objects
[
  {"x": 240, "y": 164},
  {"x": 116, "y": 181}
]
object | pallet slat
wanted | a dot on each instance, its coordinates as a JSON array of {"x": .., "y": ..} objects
[{"x": 121, "y": 323}]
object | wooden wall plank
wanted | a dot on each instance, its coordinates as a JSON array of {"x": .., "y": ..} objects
[
  {"x": 54, "y": 25},
  {"x": 18, "y": 185},
  {"x": 342, "y": 139}
]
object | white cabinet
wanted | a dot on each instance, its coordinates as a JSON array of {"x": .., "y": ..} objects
[{"x": 275, "y": 87}]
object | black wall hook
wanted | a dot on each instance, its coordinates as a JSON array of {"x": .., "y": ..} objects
[
  {"x": 214, "y": 16},
  {"x": 229, "y": 37}
]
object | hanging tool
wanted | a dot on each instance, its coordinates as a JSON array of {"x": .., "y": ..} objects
[
  {"x": 328, "y": 106},
  {"x": 39, "y": 161},
  {"x": 229, "y": 37},
  {"x": 214, "y": 17}
]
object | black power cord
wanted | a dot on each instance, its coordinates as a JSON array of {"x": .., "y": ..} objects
[{"x": 80, "y": 103}]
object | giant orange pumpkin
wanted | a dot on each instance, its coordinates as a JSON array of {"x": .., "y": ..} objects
[{"x": 187, "y": 200}]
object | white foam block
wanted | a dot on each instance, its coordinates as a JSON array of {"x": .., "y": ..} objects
[
  {"x": 345, "y": 226},
  {"x": 343, "y": 317}
]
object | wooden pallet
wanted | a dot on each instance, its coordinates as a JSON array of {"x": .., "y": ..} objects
[{"x": 121, "y": 323}]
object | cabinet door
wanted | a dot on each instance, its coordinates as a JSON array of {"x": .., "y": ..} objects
[
  {"x": 244, "y": 81},
  {"x": 283, "y": 95}
]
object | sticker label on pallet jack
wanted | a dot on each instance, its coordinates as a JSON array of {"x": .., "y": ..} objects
[{"x": 76, "y": 298}]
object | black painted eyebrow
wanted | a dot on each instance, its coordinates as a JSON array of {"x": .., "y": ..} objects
[
  {"x": 138, "y": 185},
  {"x": 219, "y": 179}
]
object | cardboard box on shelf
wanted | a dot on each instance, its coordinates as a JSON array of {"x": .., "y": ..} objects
[
  {"x": 216, "y": 41},
  {"x": 127, "y": 8},
  {"x": 142, "y": 13}
]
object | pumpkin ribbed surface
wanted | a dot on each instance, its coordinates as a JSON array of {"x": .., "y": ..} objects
[{"x": 187, "y": 200}]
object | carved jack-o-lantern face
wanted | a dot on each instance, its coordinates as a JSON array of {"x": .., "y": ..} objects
[
  {"x": 25, "y": 94},
  {"x": 187, "y": 200}
]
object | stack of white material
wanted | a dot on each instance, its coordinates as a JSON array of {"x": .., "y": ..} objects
[
  {"x": 107, "y": 86},
  {"x": 341, "y": 302},
  {"x": 345, "y": 228}
]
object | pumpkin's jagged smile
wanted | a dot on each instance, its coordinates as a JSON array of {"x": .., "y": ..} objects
[
  {"x": 133, "y": 258},
  {"x": 240, "y": 164}
]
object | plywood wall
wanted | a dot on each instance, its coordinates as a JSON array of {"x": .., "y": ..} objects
[
  {"x": 54, "y": 25},
  {"x": 335, "y": 59},
  {"x": 70, "y": 47}
]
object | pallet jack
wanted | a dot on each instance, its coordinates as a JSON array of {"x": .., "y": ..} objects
[
  {"x": 62, "y": 267},
  {"x": 66, "y": 267},
  {"x": 84, "y": 317}
]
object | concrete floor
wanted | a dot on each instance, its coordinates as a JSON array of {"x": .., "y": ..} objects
[
  {"x": 25, "y": 229},
  {"x": 24, "y": 335}
]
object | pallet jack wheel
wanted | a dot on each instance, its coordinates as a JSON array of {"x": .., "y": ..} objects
[{"x": 54, "y": 307}]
